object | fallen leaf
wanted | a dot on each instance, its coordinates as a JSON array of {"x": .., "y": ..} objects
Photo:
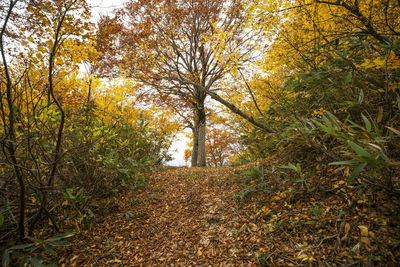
[
  {"x": 276, "y": 198},
  {"x": 371, "y": 234},
  {"x": 365, "y": 240},
  {"x": 302, "y": 257},
  {"x": 380, "y": 115},
  {"x": 346, "y": 231},
  {"x": 364, "y": 230}
]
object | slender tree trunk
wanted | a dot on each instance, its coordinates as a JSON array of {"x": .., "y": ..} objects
[
  {"x": 89, "y": 91},
  {"x": 11, "y": 137},
  {"x": 90, "y": 82},
  {"x": 59, "y": 139}
]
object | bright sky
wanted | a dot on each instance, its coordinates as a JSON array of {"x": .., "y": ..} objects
[
  {"x": 105, "y": 7},
  {"x": 177, "y": 151}
]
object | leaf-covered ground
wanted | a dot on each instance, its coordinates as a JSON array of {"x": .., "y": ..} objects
[{"x": 192, "y": 217}]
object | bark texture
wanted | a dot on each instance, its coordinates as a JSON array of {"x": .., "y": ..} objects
[
  {"x": 195, "y": 146},
  {"x": 199, "y": 135}
]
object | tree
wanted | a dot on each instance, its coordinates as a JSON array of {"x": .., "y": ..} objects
[
  {"x": 8, "y": 114},
  {"x": 183, "y": 49},
  {"x": 336, "y": 56},
  {"x": 45, "y": 37},
  {"x": 220, "y": 147},
  {"x": 222, "y": 140},
  {"x": 350, "y": 35}
]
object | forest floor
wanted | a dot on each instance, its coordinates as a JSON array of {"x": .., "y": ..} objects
[{"x": 192, "y": 217}]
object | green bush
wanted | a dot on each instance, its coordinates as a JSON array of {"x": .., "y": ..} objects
[{"x": 364, "y": 146}]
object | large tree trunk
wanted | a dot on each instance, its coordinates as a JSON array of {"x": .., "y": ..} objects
[
  {"x": 199, "y": 136},
  {"x": 201, "y": 156},
  {"x": 195, "y": 143}
]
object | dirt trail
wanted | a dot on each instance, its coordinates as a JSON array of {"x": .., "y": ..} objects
[
  {"x": 186, "y": 217},
  {"x": 189, "y": 217}
]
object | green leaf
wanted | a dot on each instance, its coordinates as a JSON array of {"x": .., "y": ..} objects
[
  {"x": 328, "y": 123},
  {"x": 133, "y": 162},
  {"x": 367, "y": 123},
  {"x": 290, "y": 166},
  {"x": 59, "y": 243},
  {"x": 384, "y": 157},
  {"x": 355, "y": 125},
  {"x": 358, "y": 149},
  {"x": 61, "y": 236},
  {"x": 332, "y": 117},
  {"x": 346, "y": 162},
  {"x": 361, "y": 97},
  {"x": 254, "y": 172},
  {"x": 22, "y": 246},
  {"x": 273, "y": 169},
  {"x": 356, "y": 172},
  {"x": 284, "y": 167},
  {"x": 70, "y": 196},
  {"x": 5, "y": 259},
  {"x": 31, "y": 249},
  {"x": 323, "y": 127},
  {"x": 298, "y": 167},
  {"x": 129, "y": 215},
  {"x": 34, "y": 239},
  {"x": 394, "y": 130},
  {"x": 90, "y": 213},
  {"x": 1, "y": 220},
  {"x": 35, "y": 262},
  {"x": 48, "y": 249},
  {"x": 124, "y": 171},
  {"x": 79, "y": 193},
  {"x": 348, "y": 78}
]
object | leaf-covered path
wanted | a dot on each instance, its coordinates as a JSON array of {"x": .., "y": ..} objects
[
  {"x": 190, "y": 217},
  {"x": 185, "y": 217}
]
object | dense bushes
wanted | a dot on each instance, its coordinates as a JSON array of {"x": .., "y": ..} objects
[
  {"x": 68, "y": 139},
  {"x": 98, "y": 159},
  {"x": 108, "y": 156},
  {"x": 346, "y": 114}
]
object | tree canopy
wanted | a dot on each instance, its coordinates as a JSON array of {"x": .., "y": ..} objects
[{"x": 184, "y": 49}]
